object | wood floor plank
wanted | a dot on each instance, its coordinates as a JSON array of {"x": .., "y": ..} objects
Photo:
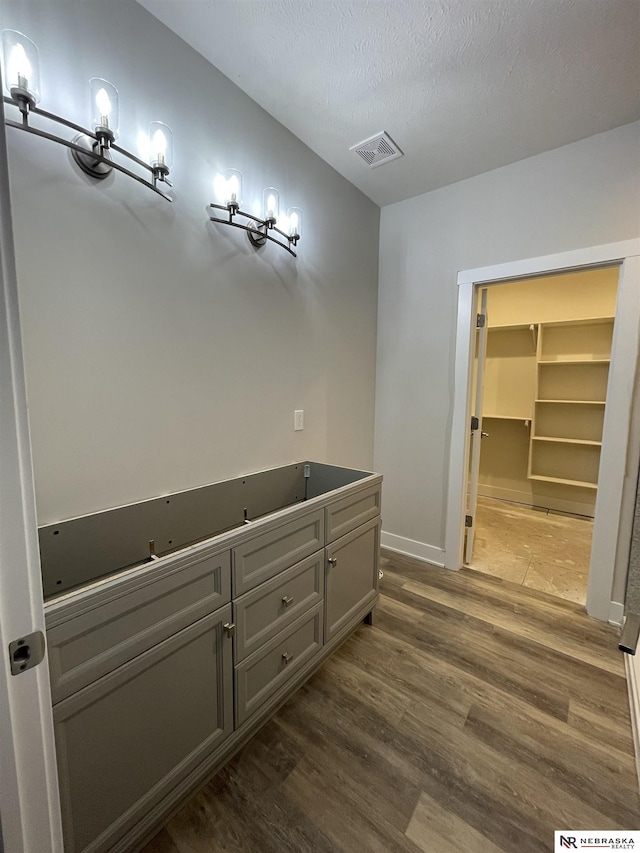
[
  {"x": 392, "y": 788},
  {"x": 573, "y": 646},
  {"x": 597, "y": 780},
  {"x": 498, "y": 663},
  {"x": 611, "y": 733},
  {"x": 604, "y": 686},
  {"x": 433, "y": 827},
  {"x": 476, "y": 715}
]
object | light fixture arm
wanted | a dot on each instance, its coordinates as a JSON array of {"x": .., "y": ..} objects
[
  {"x": 258, "y": 230},
  {"x": 88, "y": 148}
]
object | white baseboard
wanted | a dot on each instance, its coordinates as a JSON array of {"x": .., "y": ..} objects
[
  {"x": 616, "y": 613},
  {"x": 632, "y": 667},
  {"x": 428, "y": 553}
]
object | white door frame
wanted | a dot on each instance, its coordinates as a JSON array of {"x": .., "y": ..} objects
[
  {"x": 617, "y": 421},
  {"x": 29, "y": 802}
]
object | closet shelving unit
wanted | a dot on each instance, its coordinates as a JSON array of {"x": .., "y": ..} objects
[
  {"x": 550, "y": 378},
  {"x": 572, "y": 372}
]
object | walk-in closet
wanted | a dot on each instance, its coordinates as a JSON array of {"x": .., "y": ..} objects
[{"x": 544, "y": 387}]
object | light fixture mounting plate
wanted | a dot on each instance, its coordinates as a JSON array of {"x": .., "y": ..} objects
[
  {"x": 88, "y": 162},
  {"x": 254, "y": 239}
]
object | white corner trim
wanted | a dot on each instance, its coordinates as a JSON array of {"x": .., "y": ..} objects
[
  {"x": 632, "y": 667},
  {"x": 616, "y": 613},
  {"x": 420, "y": 550}
]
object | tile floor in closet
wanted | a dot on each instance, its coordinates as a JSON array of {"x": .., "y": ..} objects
[{"x": 541, "y": 549}]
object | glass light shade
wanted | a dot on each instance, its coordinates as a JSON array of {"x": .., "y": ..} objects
[
  {"x": 160, "y": 145},
  {"x": 20, "y": 65},
  {"x": 233, "y": 194},
  {"x": 105, "y": 113},
  {"x": 294, "y": 222},
  {"x": 270, "y": 203}
]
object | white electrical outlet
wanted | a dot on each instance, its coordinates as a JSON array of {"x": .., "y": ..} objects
[{"x": 298, "y": 419}]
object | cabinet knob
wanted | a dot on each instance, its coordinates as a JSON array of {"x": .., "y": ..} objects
[
  {"x": 286, "y": 657},
  {"x": 287, "y": 600},
  {"x": 332, "y": 561}
]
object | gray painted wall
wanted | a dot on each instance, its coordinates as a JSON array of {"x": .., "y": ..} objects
[
  {"x": 162, "y": 352},
  {"x": 580, "y": 195}
]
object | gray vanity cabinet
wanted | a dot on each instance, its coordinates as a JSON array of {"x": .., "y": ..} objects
[
  {"x": 351, "y": 582},
  {"x": 152, "y": 664},
  {"x": 131, "y": 736}
]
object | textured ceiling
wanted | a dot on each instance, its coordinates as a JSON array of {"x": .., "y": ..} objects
[{"x": 462, "y": 86}]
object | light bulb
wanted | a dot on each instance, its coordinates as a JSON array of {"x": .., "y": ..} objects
[
  {"x": 105, "y": 115},
  {"x": 270, "y": 204},
  {"x": 19, "y": 67},
  {"x": 159, "y": 143},
  {"x": 103, "y": 103},
  {"x": 161, "y": 146},
  {"x": 233, "y": 188},
  {"x": 294, "y": 223}
]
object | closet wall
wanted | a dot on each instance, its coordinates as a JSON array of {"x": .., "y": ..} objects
[{"x": 545, "y": 383}]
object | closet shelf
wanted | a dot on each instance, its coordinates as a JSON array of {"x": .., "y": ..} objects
[
  {"x": 581, "y": 483},
  {"x": 583, "y": 321},
  {"x": 586, "y": 441},
  {"x": 508, "y": 417},
  {"x": 575, "y": 402},
  {"x": 547, "y": 361}
]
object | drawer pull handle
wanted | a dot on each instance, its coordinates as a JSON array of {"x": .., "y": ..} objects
[
  {"x": 229, "y": 629},
  {"x": 286, "y": 657},
  {"x": 332, "y": 561},
  {"x": 287, "y": 600}
]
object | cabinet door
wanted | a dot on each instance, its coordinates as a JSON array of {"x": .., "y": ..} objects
[
  {"x": 129, "y": 738},
  {"x": 351, "y": 581}
]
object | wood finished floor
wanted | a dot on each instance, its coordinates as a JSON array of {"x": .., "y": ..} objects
[{"x": 476, "y": 716}]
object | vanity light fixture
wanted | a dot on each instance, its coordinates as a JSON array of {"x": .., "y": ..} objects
[
  {"x": 91, "y": 149},
  {"x": 228, "y": 189}
]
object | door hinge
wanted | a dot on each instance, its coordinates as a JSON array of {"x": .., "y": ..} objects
[
  {"x": 481, "y": 321},
  {"x": 475, "y": 423},
  {"x": 229, "y": 628},
  {"x": 26, "y": 652},
  {"x": 468, "y": 521}
]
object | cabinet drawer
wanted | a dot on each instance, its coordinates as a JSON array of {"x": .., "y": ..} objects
[
  {"x": 128, "y": 739},
  {"x": 352, "y": 511},
  {"x": 268, "y": 669},
  {"x": 273, "y": 605},
  {"x": 278, "y": 548},
  {"x": 97, "y": 641}
]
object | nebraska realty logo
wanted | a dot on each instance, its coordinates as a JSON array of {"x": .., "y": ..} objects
[{"x": 571, "y": 839}]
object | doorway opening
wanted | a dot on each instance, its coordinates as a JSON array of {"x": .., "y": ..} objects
[{"x": 539, "y": 392}]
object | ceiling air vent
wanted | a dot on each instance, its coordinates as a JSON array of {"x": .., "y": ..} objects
[{"x": 377, "y": 150}]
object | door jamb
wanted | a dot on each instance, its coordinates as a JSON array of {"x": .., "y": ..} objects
[
  {"x": 29, "y": 799},
  {"x": 617, "y": 424}
]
